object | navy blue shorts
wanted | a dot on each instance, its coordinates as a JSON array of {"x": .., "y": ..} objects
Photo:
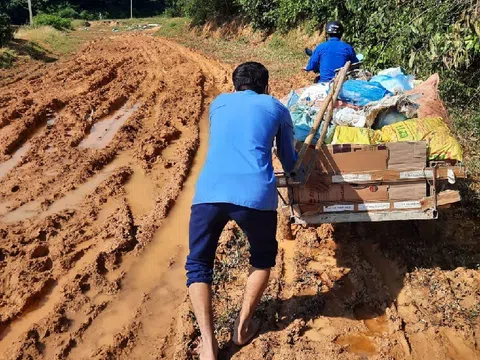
[{"x": 206, "y": 224}]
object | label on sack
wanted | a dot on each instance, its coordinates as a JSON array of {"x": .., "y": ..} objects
[
  {"x": 351, "y": 178},
  {"x": 373, "y": 206},
  {"x": 407, "y": 205},
  {"x": 416, "y": 174},
  {"x": 338, "y": 208}
]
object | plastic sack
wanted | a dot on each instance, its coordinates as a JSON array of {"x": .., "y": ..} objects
[
  {"x": 353, "y": 135},
  {"x": 392, "y": 72},
  {"x": 389, "y": 117},
  {"x": 292, "y": 99},
  {"x": 303, "y": 118},
  {"x": 431, "y": 105},
  {"x": 315, "y": 92},
  {"x": 395, "y": 84},
  {"x": 349, "y": 117},
  {"x": 442, "y": 145},
  {"x": 360, "y": 92}
]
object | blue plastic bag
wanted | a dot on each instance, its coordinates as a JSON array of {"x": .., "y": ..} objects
[
  {"x": 292, "y": 99},
  {"x": 394, "y": 84},
  {"x": 360, "y": 92},
  {"x": 303, "y": 118}
]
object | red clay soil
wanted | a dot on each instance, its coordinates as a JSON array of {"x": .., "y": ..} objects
[{"x": 94, "y": 224}]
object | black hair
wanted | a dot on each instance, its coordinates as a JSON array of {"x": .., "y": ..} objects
[{"x": 251, "y": 76}]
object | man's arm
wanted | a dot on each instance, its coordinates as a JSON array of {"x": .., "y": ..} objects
[
  {"x": 314, "y": 62},
  {"x": 353, "y": 56},
  {"x": 285, "y": 149}
]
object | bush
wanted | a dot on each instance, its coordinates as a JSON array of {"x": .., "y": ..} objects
[
  {"x": 85, "y": 15},
  {"x": 6, "y": 30},
  {"x": 55, "y": 21},
  {"x": 67, "y": 12}
]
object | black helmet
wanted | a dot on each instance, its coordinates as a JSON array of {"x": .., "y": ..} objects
[{"x": 334, "y": 28}]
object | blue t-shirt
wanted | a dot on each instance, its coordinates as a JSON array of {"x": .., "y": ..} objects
[
  {"x": 238, "y": 168},
  {"x": 330, "y": 56}
]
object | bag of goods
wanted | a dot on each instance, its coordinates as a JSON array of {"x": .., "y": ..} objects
[
  {"x": 303, "y": 118},
  {"x": 349, "y": 117},
  {"x": 354, "y": 135},
  {"x": 430, "y": 103},
  {"x": 441, "y": 144},
  {"x": 398, "y": 83},
  {"x": 360, "y": 92}
]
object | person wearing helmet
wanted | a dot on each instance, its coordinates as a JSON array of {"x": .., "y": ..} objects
[{"x": 332, "y": 54}]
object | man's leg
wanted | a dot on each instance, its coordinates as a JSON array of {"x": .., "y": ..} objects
[
  {"x": 245, "y": 328},
  {"x": 201, "y": 298},
  {"x": 260, "y": 228},
  {"x": 206, "y": 224}
]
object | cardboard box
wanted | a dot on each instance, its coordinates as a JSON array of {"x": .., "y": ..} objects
[
  {"x": 335, "y": 159},
  {"x": 341, "y": 193},
  {"x": 407, "y": 191},
  {"x": 407, "y": 155},
  {"x": 345, "y": 158}
]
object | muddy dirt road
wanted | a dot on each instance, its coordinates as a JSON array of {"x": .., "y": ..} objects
[{"x": 98, "y": 158}]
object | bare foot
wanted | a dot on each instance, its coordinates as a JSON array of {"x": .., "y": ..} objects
[
  {"x": 208, "y": 352},
  {"x": 243, "y": 336}
]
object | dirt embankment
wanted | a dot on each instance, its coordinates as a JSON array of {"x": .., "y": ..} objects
[{"x": 98, "y": 158}]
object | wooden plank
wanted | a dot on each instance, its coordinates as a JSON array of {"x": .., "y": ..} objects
[
  {"x": 383, "y": 176},
  {"x": 443, "y": 198},
  {"x": 366, "y": 217},
  {"x": 426, "y": 203}
]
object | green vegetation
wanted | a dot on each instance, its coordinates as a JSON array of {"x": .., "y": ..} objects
[
  {"x": 6, "y": 30},
  {"x": 53, "y": 20},
  {"x": 7, "y": 58},
  {"x": 81, "y": 9}
]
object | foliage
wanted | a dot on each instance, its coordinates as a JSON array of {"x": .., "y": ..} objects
[
  {"x": 6, "y": 30},
  {"x": 7, "y": 58},
  {"x": 263, "y": 14},
  {"x": 55, "y": 21}
]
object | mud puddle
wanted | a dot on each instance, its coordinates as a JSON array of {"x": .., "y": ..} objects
[
  {"x": 18, "y": 155},
  {"x": 155, "y": 281},
  {"x": 357, "y": 344},
  {"x": 70, "y": 201},
  {"x": 103, "y": 132}
]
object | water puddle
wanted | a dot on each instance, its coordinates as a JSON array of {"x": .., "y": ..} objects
[
  {"x": 72, "y": 199},
  {"x": 16, "y": 158},
  {"x": 372, "y": 318},
  {"x": 158, "y": 272},
  {"x": 357, "y": 344},
  {"x": 140, "y": 191},
  {"x": 8, "y": 165},
  {"x": 103, "y": 132}
]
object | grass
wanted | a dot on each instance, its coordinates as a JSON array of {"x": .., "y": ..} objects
[
  {"x": 7, "y": 58},
  {"x": 56, "y": 41}
]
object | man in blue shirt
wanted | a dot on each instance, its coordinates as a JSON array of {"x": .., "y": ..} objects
[
  {"x": 237, "y": 183},
  {"x": 332, "y": 54}
]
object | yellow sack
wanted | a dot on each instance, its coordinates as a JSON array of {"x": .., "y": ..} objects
[
  {"x": 442, "y": 145},
  {"x": 434, "y": 131},
  {"x": 354, "y": 135},
  {"x": 413, "y": 129}
]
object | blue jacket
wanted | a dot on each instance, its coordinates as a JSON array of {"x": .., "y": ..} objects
[
  {"x": 330, "y": 56},
  {"x": 238, "y": 168}
]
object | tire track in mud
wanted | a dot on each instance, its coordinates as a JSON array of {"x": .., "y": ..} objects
[{"x": 93, "y": 234}]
